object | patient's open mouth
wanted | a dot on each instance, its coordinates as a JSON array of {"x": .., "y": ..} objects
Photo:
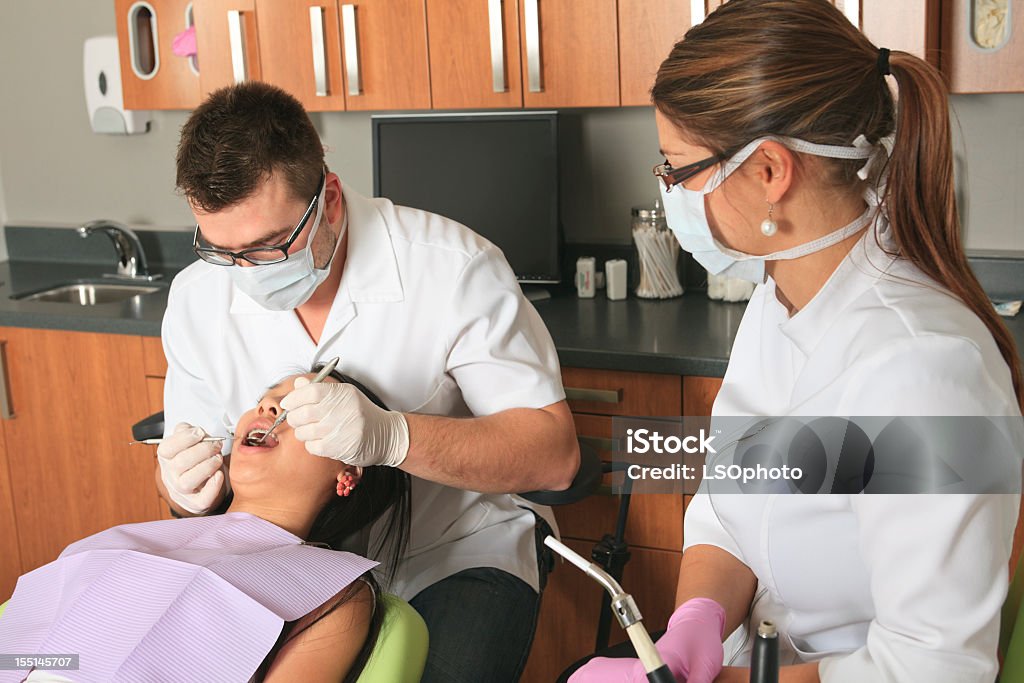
[{"x": 254, "y": 436}]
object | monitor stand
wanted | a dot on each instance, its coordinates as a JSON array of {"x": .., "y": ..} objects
[{"x": 535, "y": 292}]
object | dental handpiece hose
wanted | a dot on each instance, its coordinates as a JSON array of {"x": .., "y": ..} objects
[
  {"x": 764, "y": 662},
  {"x": 625, "y": 610}
]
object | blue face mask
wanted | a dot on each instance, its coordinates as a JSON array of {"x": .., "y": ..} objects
[
  {"x": 686, "y": 212},
  {"x": 286, "y": 285}
]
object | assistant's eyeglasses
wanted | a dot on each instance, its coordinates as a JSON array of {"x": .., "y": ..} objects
[
  {"x": 258, "y": 256},
  {"x": 674, "y": 176}
]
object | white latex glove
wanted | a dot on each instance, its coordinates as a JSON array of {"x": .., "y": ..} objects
[
  {"x": 338, "y": 421},
  {"x": 191, "y": 469}
]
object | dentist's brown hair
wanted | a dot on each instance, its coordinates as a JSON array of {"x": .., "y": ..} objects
[{"x": 799, "y": 68}]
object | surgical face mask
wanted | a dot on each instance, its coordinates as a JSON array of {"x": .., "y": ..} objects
[
  {"x": 289, "y": 284},
  {"x": 686, "y": 211}
]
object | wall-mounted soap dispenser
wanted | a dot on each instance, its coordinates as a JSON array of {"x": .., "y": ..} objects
[{"x": 103, "y": 96}]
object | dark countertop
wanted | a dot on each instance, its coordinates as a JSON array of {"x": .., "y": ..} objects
[
  {"x": 690, "y": 335},
  {"x": 686, "y": 336}
]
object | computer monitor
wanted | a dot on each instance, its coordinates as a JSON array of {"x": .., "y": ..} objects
[{"x": 494, "y": 172}]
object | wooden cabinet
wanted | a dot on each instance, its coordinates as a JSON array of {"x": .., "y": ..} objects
[
  {"x": 647, "y": 31},
  {"x": 910, "y": 25},
  {"x": 228, "y": 43},
  {"x": 654, "y": 531},
  {"x": 153, "y": 77},
  {"x": 388, "y": 69},
  {"x": 360, "y": 54},
  {"x": 300, "y": 51},
  {"x": 10, "y": 553},
  {"x": 474, "y": 54},
  {"x": 74, "y": 397},
  {"x": 570, "y": 53},
  {"x": 983, "y": 54}
]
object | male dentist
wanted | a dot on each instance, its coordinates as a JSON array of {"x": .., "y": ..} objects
[{"x": 296, "y": 268}]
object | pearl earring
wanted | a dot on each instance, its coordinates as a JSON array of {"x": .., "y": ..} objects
[{"x": 768, "y": 226}]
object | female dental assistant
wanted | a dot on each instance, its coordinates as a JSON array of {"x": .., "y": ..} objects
[{"x": 782, "y": 140}]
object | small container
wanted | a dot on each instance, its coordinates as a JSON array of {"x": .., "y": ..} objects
[
  {"x": 615, "y": 279},
  {"x": 658, "y": 250},
  {"x": 586, "y": 269}
]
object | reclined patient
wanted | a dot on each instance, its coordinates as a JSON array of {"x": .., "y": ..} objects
[{"x": 256, "y": 594}]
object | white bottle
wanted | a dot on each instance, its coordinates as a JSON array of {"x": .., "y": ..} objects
[
  {"x": 615, "y": 279},
  {"x": 586, "y": 269}
]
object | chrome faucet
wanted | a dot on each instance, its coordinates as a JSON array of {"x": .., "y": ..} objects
[{"x": 131, "y": 259}]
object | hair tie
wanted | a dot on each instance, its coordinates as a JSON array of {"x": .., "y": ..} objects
[{"x": 883, "y": 61}]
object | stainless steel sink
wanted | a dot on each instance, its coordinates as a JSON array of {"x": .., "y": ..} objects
[{"x": 90, "y": 293}]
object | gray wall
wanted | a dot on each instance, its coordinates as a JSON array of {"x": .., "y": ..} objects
[{"x": 56, "y": 171}]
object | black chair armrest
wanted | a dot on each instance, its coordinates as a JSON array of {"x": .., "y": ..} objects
[
  {"x": 586, "y": 482},
  {"x": 151, "y": 427}
]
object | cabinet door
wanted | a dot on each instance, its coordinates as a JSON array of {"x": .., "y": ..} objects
[
  {"x": 300, "y": 51},
  {"x": 10, "y": 553},
  {"x": 569, "y": 609},
  {"x": 385, "y": 54},
  {"x": 570, "y": 53},
  {"x": 173, "y": 82},
  {"x": 74, "y": 397},
  {"x": 983, "y": 46},
  {"x": 655, "y": 520},
  {"x": 910, "y": 25},
  {"x": 647, "y": 31},
  {"x": 228, "y": 43},
  {"x": 474, "y": 53}
]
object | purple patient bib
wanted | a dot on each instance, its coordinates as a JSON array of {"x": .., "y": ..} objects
[{"x": 198, "y": 599}]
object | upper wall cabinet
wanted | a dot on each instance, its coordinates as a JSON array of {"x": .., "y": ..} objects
[
  {"x": 474, "y": 54},
  {"x": 909, "y": 25},
  {"x": 570, "y": 53},
  {"x": 983, "y": 45},
  {"x": 300, "y": 51},
  {"x": 366, "y": 55},
  {"x": 647, "y": 31},
  {"x": 386, "y": 62},
  {"x": 228, "y": 43},
  {"x": 153, "y": 77}
]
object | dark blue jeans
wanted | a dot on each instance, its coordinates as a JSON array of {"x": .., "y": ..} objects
[{"x": 481, "y": 622}]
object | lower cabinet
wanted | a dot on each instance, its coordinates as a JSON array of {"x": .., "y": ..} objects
[
  {"x": 70, "y": 471},
  {"x": 567, "y": 627}
]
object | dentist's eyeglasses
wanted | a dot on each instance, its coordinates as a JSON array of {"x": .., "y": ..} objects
[
  {"x": 258, "y": 256},
  {"x": 674, "y": 176}
]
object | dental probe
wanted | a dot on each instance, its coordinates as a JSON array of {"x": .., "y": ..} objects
[
  {"x": 154, "y": 442},
  {"x": 320, "y": 377},
  {"x": 625, "y": 610}
]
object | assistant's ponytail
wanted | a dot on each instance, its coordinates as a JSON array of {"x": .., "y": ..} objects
[{"x": 920, "y": 196}]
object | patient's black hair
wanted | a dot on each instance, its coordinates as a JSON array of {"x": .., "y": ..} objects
[{"x": 383, "y": 494}]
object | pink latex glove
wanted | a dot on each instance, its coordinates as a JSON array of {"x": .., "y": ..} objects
[
  {"x": 184, "y": 44},
  {"x": 691, "y": 647}
]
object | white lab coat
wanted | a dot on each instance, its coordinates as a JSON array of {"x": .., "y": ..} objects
[
  {"x": 880, "y": 588},
  {"x": 430, "y": 317}
]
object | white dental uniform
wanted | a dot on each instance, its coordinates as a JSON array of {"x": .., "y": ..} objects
[
  {"x": 881, "y": 588},
  {"x": 428, "y": 316}
]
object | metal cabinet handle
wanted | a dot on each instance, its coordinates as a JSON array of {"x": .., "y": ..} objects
[
  {"x": 6, "y": 413},
  {"x": 533, "y": 65},
  {"x": 236, "y": 37},
  {"x": 597, "y": 395},
  {"x": 698, "y": 11},
  {"x": 494, "y": 20},
  {"x": 316, "y": 28},
  {"x": 598, "y": 442},
  {"x": 351, "y": 34}
]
